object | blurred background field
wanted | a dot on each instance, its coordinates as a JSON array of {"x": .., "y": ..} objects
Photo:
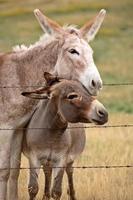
[
  {"x": 113, "y": 55},
  {"x": 113, "y": 46}
]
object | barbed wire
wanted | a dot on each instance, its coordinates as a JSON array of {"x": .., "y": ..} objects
[
  {"x": 118, "y": 84},
  {"x": 72, "y": 127},
  {"x": 78, "y": 127},
  {"x": 36, "y": 86},
  {"x": 74, "y": 167}
]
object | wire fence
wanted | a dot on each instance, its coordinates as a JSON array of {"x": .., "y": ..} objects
[
  {"x": 77, "y": 127},
  {"x": 35, "y": 86},
  {"x": 78, "y": 167},
  {"x": 118, "y": 84},
  {"x": 73, "y": 167},
  {"x": 72, "y": 127}
]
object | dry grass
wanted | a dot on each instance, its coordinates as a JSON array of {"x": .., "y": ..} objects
[{"x": 111, "y": 146}]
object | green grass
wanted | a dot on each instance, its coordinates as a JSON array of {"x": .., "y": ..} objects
[{"x": 113, "y": 46}]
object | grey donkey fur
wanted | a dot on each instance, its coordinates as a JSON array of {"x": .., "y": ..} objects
[{"x": 64, "y": 52}]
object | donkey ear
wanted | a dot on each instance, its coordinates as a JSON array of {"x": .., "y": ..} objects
[
  {"x": 36, "y": 95},
  {"x": 48, "y": 76},
  {"x": 49, "y": 26},
  {"x": 50, "y": 79},
  {"x": 90, "y": 29},
  {"x": 40, "y": 93}
]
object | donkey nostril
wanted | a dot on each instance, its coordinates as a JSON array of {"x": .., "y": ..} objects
[
  {"x": 101, "y": 113},
  {"x": 93, "y": 83}
]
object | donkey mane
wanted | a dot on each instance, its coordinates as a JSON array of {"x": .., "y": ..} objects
[{"x": 44, "y": 39}]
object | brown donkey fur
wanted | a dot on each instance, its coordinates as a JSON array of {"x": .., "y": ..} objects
[{"x": 52, "y": 146}]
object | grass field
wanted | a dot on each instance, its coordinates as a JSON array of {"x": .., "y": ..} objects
[
  {"x": 113, "y": 46},
  {"x": 103, "y": 147},
  {"x": 113, "y": 54}
]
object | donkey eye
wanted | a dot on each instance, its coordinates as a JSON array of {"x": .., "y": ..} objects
[
  {"x": 73, "y": 51},
  {"x": 72, "y": 96}
]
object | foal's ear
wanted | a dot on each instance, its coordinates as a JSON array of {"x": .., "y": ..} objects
[
  {"x": 49, "y": 26},
  {"x": 90, "y": 29},
  {"x": 37, "y": 94},
  {"x": 50, "y": 79}
]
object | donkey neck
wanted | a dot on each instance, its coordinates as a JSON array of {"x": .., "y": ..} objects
[
  {"x": 52, "y": 118},
  {"x": 37, "y": 59},
  {"x": 44, "y": 54}
]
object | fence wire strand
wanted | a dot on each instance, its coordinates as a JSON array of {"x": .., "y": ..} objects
[
  {"x": 78, "y": 127},
  {"x": 36, "y": 86},
  {"x": 118, "y": 84},
  {"x": 74, "y": 167}
]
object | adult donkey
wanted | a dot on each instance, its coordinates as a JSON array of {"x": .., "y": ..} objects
[{"x": 64, "y": 52}]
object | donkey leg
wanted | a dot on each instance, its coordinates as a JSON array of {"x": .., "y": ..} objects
[
  {"x": 57, "y": 184},
  {"x": 4, "y": 174},
  {"x": 33, "y": 180},
  {"x": 71, "y": 191},
  {"x": 5, "y": 147},
  {"x": 16, "y": 148},
  {"x": 48, "y": 175}
]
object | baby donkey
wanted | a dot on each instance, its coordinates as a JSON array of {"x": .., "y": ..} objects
[{"x": 53, "y": 146}]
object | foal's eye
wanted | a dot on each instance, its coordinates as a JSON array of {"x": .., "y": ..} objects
[
  {"x": 73, "y": 51},
  {"x": 72, "y": 96}
]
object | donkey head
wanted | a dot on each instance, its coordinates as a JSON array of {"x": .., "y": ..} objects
[
  {"x": 75, "y": 54},
  {"x": 73, "y": 101}
]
